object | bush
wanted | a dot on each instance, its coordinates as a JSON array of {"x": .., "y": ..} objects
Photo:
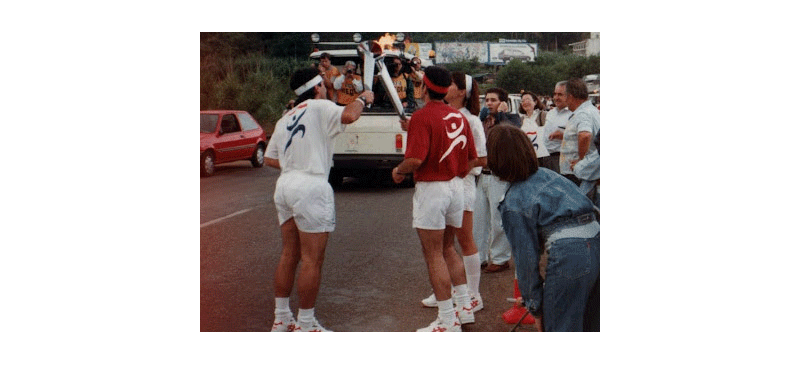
[
  {"x": 549, "y": 68},
  {"x": 470, "y": 67},
  {"x": 249, "y": 82},
  {"x": 515, "y": 76}
]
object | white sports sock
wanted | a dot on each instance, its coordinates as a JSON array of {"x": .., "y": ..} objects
[
  {"x": 472, "y": 265},
  {"x": 305, "y": 315},
  {"x": 446, "y": 311},
  {"x": 282, "y": 309},
  {"x": 461, "y": 297}
]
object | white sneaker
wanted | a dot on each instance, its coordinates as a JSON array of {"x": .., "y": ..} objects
[
  {"x": 310, "y": 327},
  {"x": 431, "y": 302},
  {"x": 439, "y": 326},
  {"x": 477, "y": 302},
  {"x": 284, "y": 325},
  {"x": 465, "y": 315}
]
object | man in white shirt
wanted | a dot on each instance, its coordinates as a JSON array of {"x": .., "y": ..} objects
[
  {"x": 302, "y": 147},
  {"x": 579, "y": 154},
  {"x": 554, "y": 127}
]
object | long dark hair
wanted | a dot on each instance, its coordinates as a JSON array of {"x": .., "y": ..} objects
[
  {"x": 537, "y": 101},
  {"x": 473, "y": 100}
]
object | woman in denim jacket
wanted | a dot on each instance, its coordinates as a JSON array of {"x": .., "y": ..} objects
[{"x": 543, "y": 213}]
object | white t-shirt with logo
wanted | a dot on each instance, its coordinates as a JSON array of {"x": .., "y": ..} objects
[
  {"x": 535, "y": 135},
  {"x": 304, "y": 137}
]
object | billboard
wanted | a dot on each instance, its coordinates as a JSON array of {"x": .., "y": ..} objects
[
  {"x": 501, "y": 53},
  {"x": 421, "y": 50},
  {"x": 449, "y": 52}
]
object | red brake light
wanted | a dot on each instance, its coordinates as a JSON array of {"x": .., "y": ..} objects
[{"x": 398, "y": 141}]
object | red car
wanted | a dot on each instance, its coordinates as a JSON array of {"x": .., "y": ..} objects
[{"x": 227, "y": 136}]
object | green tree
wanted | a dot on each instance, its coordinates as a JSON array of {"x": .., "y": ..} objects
[
  {"x": 470, "y": 67},
  {"x": 515, "y": 76}
]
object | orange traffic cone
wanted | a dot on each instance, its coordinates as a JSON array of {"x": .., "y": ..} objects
[{"x": 513, "y": 315}]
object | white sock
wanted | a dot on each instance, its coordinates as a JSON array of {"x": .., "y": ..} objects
[
  {"x": 282, "y": 309},
  {"x": 462, "y": 298},
  {"x": 446, "y": 311},
  {"x": 305, "y": 315},
  {"x": 472, "y": 265}
]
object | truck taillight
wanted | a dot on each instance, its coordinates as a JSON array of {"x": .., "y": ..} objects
[{"x": 398, "y": 141}]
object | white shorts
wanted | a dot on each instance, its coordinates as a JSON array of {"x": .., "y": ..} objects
[
  {"x": 438, "y": 204},
  {"x": 306, "y": 198},
  {"x": 469, "y": 193}
]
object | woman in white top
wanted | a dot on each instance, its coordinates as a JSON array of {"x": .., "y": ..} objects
[{"x": 532, "y": 109}]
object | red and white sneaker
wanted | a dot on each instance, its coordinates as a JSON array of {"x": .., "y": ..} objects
[
  {"x": 284, "y": 325},
  {"x": 465, "y": 315},
  {"x": 439, "y": 326},
  {"x": 310, "y": 327},
  {"x": 477, "y": 302}
]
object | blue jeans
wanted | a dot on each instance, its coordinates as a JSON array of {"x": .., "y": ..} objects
[{"x": 573, "y": 266}]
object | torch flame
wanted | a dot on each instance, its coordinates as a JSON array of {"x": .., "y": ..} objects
[{"x": 387, "y": 41}]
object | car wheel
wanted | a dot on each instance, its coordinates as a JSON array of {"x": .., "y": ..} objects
[
  {"x": 258, "y": 156},
  {"x": 207, "y": 163}
]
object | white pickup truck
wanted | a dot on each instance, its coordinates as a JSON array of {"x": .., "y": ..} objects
[{"x": 376, "y": 143}]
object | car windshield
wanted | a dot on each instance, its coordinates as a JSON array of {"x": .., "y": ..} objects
[{"x": 208, "y": 123}]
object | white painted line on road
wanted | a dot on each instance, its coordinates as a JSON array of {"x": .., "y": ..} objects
[{"x": 224, "y": 218}]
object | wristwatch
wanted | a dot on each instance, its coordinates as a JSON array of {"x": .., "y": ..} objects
[{"x": 363, "y": 99}]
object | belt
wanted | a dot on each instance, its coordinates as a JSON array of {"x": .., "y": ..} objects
[
  {"x": 486, "y": 172},
  {"x": 562, "y": 223}
]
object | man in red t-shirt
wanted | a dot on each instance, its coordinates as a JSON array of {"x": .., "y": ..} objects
[{"x": 440, "y": 152}]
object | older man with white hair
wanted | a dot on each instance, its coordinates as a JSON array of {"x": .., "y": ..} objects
[{"x": 348, "y": 86}]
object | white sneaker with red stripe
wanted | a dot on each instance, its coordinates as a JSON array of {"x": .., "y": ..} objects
[
  {"x": 439, "y": 326},
  {"x": 284, "y": 325},
  {"x": 465, "y": 314},
  {"x": 310, "y": 327},
  {"x": 477, "y": 302}
]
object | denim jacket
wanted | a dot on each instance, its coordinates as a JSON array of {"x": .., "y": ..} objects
[{"x": 544, "y": 198}]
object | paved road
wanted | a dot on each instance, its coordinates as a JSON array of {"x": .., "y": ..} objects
[{"x": 374, "y": 274}]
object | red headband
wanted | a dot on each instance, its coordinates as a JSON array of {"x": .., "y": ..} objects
[{"x": 434, "y": 87}]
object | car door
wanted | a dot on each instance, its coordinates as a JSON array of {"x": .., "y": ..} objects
[
  {"x": 231, "y": 144},
  {"x": 251, "y": 132}
]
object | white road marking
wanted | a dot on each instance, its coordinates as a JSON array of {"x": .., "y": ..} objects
[{"x": 224, "y": 218}]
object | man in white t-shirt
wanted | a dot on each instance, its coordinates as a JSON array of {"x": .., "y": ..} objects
[{"x": 302, "y": 148}]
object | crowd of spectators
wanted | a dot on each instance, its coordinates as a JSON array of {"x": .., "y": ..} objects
[{"x": 566, "y": 169}]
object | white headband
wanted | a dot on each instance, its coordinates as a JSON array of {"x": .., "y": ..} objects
[
  {"x": 468, "y": 80},
  {"x": 308, "y": 85}
]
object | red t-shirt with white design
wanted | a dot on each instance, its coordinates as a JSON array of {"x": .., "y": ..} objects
[{"x": 440, "y": 136}]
